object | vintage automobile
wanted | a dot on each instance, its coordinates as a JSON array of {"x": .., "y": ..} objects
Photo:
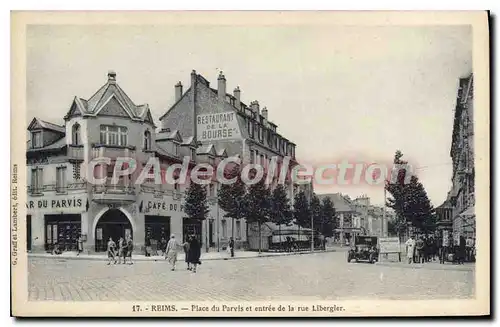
[{"x": 365, "y": 248}]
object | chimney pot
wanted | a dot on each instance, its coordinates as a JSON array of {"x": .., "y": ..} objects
[
  {"x": 264, "y": 112},
  {"x": 255, "y": 107},
  {"x": 178, "y": 91},
  {"x": 237, "y": 95},
  {"x": 112, "y": 76},
  {"x": 221, "y": 89}
]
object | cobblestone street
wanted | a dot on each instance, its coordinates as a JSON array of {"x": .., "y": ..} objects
[{"x": 320, "y": 276}]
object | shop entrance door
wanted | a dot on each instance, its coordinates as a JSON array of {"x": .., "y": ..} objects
[{"x": 113, "y": 223}]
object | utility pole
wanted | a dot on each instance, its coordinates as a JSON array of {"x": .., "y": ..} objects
[{"x": 384, "y": 217}]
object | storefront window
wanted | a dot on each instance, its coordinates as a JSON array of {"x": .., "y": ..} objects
[
  {"x": 63, "y": 230},
  {"x": 238, "y": 229},
  {"x": 157, "y": 227},
  {"x": 224, "y": 228}
]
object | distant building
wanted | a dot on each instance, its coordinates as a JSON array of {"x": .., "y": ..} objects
[
  {"x": 457, "y": 212},
  {"x": 370, "y": 218},
  {"x": 345, "y": 214}
]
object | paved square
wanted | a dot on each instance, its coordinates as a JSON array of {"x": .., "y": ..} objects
[{"x": 320, "y": 276}]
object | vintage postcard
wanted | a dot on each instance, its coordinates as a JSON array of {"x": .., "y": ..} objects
[{"x": 308, "y": 164}]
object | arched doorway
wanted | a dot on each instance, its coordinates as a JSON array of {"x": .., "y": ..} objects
[{"x": 113, "y": 223}]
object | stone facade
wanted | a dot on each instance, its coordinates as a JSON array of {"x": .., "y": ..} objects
[{"x": 63, "y": 203}]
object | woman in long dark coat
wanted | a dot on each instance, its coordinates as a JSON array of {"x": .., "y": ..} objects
[{"x": 194, "y": 253}]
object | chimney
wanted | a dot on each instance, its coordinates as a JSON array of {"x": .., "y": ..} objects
[
  {"x": 221, "y": 89},
  {"x": 111, "y": 77},
  {"x": 255, "y": 107},
  {"x": 237, "y": 95},
  {"x": 264, "y": 112},
  {"x": 178, "y": 91}
]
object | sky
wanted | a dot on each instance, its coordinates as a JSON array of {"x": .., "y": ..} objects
[{"x": 338, "y": 92}]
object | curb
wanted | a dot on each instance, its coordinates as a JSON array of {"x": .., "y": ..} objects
[
  {"x": 161, "y": 259},
  {"x": 433, "y": 267}
]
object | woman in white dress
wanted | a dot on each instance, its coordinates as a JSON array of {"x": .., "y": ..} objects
[{"x": 171, "y": 251}]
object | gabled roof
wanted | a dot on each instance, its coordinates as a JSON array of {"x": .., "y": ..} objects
[
  {"x": 172, "y": 136},
  {"x": 110, "y": 99},
  {"x": 188, "y": 141},
  {"x": 222, "y": 153},
  {"x": 340, "y": 203},
  {"x": 37, "y": 123},
  {"x": 206, "y": 149}
]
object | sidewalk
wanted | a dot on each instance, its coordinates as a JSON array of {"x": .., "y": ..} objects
[
  {"x": 434, "y": 265},
  {"x": 222, "y": 255}
]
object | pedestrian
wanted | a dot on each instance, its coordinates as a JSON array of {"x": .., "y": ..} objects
[
  {"x": 130, "y": 248},
  {"x": 121, "y": 250},
  {"x": 163, "y": 245},
  {"x": 231, "y": 247},
  {"x": 80, "y": 245},
  {"x": 420, "y": 245},
  {"x": 410, "y": 249},
  {"x": 171, "y": 251},
  {"x": 185, "y": 246},
  {"x": 461, "y": 249},
  {"x": 148, "y": 246},
  {"x": 111, "y": 251},
  {"x": 469, "y": 244},
  {"x": 194, "y": 253}
]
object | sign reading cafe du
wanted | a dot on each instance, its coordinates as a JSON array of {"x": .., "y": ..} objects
[
  {"x": 221, "y": 126},
  {"x": 57, "y": 204}
]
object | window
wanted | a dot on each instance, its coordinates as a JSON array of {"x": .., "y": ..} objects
[
  {"x": 193, "y": 154},
  {"x": 147, "y": 140},
  {"x": 75, "y": 134},
  {"x": 252, "y": 158},
  {"x": 176, "y": 149},
  {"x": 211, "y": 190},
  {"x": 224, "y": 228},
  {"x": 61, "y": 179},
  {"x": 238, "y": 229},
  {"x": 36, "y": 139},
  {"x": 37, "y": 180},
  {"x": 113, "y": 135}
]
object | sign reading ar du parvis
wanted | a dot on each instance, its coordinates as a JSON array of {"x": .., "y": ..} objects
[{"x": 220, "y": 126}]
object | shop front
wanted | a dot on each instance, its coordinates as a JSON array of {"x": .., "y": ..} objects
[
  {"x": 55, "y": 220},
  {"x": 162, "y": 218},
  {"x": 112, "y": 224}
]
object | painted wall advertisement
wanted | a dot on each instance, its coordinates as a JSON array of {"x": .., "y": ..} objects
[
  {"x": 389, "y": 245},
  {"x": 215, "y": 127}
]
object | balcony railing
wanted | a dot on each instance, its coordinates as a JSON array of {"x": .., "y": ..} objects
[
  {"x": 112, "y": 151},
  {"x": 75, "y": 152},
  {"x": 109, "y": 188}
]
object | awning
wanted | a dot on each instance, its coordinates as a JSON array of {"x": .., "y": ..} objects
[
  {"x": 470, "y": 212},
  {"x": 295, "y": 237}
]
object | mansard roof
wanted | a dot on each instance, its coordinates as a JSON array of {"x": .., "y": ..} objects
[{"x": 111, "y": 100}]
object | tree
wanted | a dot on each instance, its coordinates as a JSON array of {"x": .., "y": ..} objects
[
  {"x": 231, "y": 196},
  {"x": 257, "y": 206},
  {"x": 328, "y": 217},
  {"x": 301, "y": 211},
  {"x": 280, "y": 210},
  {"x": 196, "y": 206},
  {"x": 409, "y": 199}
]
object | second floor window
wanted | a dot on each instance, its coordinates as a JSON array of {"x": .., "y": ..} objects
[
  {"x": 37, "y": 180},
  {"x": 36, "y": 139},
  {"x": 76, "y": 134},
  {"x": 113, "y": 135},
  {"x": 147, "y": 140},
  {"x": 60, "y": 179}
]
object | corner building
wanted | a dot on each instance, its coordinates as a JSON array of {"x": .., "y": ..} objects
[{"x": 62, "y": 203}]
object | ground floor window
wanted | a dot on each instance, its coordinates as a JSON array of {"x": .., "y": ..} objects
[
  {"x": 191, "y": 227},
  {"x": 62, "y": 230},
  {"x": 113, "y": 223}
]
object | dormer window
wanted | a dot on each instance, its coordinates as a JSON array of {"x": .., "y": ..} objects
[
  {"x": 147, "y": 140},
  {"x": 36, "y": 139},
  {"x": 75, "y": 134}
]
